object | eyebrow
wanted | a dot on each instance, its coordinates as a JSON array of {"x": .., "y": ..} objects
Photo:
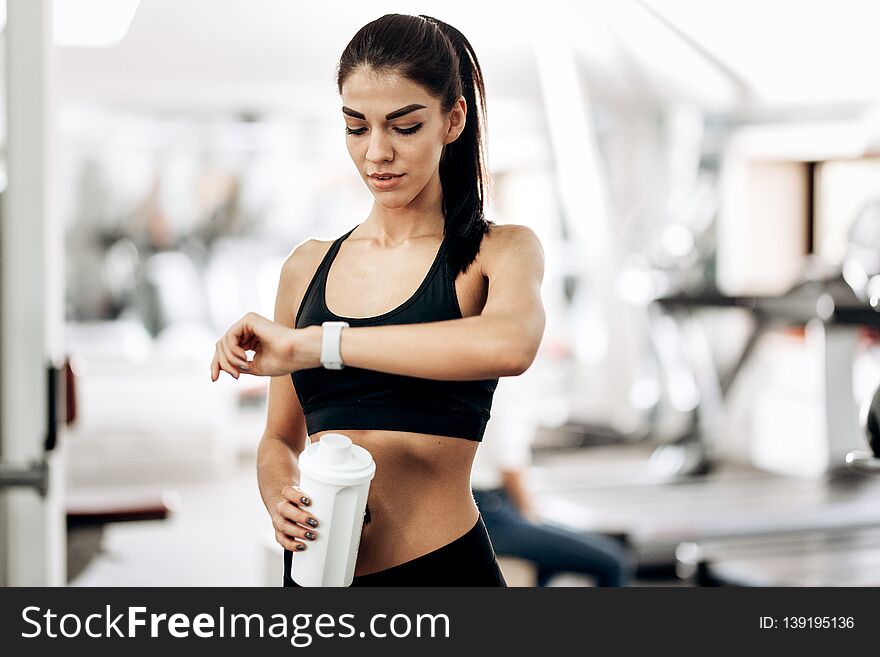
[{"x": 391, "y": 115}]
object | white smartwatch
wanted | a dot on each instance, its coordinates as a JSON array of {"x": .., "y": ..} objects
[{"x": 331, "y": 339}]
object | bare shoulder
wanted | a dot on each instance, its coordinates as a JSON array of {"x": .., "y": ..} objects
[
  {"x": 298, "y": 269},
  {"x": 510, "y": 243},
  {"x": 306, "y": 256}
]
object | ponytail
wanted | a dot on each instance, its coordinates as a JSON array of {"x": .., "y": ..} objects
[{"x": 463, "y": 171}]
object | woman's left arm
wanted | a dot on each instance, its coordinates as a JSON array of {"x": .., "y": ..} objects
[{"x": 501, "y": 341}]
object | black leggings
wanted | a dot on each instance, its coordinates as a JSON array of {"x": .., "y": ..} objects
[{"x": 469, "y": 560}]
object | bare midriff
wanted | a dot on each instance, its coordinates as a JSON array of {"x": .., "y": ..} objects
[{"x": 420, "y": 498}]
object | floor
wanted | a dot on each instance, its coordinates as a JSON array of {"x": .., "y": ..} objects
[{"x": 216, "y": 537}]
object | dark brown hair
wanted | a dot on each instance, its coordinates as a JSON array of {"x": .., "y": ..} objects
[{"x": 437, "y": 56}]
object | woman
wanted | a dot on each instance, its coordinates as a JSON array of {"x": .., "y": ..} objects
[{"x": 439, "y": 303}]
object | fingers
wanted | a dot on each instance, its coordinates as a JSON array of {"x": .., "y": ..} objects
[
  {"x": 236, "y": 364},
  {"x": 294, "y": 528},
  {"x": 223, "y": 362},
  {"x": 235, "y": 351},
  {"x": 215, "y": 367},
  {"x": 230, "y": 351},
  {"x": 289, "y": 512},
  {"x": 296, "y": 495},
  {"x": 289, "y": 543},
  {"x": 220, "y": 362}
]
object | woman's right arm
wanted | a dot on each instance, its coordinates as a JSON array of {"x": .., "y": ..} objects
[{"x": 285, "y": 435}]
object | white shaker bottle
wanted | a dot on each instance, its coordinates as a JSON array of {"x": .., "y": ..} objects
[{"x": 336, "y": 475}]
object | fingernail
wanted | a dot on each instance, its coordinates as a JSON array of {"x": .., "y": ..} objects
[
  {"x": 312, "y": 522},
  {"x": 300, "y": 547},
  {"x": 310, "y": 536},
  {"x": 305, "y": 500}
]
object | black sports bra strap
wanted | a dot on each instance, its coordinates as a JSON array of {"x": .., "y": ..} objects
[
  {"x": 332, "y": 251},
  {"x": 319, "y": 278}
]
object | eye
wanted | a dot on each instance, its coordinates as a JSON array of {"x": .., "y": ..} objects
[
  {"x": 402, "y": 131},
  {"x": 410, "y": 131}
]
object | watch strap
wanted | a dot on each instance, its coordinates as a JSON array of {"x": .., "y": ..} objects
[{"x": 331, "y": 341}]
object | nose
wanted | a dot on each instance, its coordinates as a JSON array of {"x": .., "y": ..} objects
[{"x": 379, "y": 149}]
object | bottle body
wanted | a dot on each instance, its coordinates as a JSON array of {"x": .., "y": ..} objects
[{"x": 336, "y": 475}]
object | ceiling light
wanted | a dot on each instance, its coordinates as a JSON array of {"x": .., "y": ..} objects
[{"x": 87, "y": 23}]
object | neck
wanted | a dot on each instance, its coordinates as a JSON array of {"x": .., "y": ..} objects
[{"x": 420, "y": 217}]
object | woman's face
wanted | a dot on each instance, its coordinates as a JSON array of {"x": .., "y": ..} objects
[{"x": 394, "y": 126}]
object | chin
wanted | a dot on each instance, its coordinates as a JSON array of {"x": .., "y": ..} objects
[{"x": 390, "y": 204}]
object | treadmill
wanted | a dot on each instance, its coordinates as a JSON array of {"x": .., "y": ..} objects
[{"x": 733, "y": 503}]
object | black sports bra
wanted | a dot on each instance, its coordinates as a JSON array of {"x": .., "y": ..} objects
[{"x": 354, "y": 398}]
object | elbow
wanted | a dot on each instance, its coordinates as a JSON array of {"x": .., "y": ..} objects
[
  {"x": 519, "y": 346},
  {"x": 525, "y": 363},
  {"x": 518, "y": 360}
]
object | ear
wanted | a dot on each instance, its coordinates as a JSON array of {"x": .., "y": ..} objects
[{"x": 457, "y": 120}]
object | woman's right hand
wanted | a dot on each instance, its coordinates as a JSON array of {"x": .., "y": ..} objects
[
  {"x": 273, "y": 344},
  {"x": 294, "y": 527}
]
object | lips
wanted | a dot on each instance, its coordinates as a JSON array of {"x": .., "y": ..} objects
[{"x": 385, "y": 181}]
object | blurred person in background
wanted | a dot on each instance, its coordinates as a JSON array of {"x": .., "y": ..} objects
[
  {"x": 415, "y": 367},
  {"x": 506, "y": 504}
]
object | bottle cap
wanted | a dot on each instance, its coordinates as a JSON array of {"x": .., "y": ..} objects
[{"x": 335, "y": 460}]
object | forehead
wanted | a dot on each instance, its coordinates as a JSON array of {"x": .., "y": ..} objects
[{"x": 369, "y": 92}]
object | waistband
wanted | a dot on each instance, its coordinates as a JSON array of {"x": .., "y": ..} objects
[
  {"x": 469, "y": 560},
  {"x": 437, "y": 421},
  {"x": 462, "y": 558}
]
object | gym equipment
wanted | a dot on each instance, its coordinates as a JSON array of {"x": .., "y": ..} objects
[
  {"x": 838, "y": 301},
  {"x": 861, "y": 269},
  {"x": 808, "y": 559},
  {"x": 88, "y": 513},
  {"x": 36, "y": 473},
  {"x": 871, "y": 422},
  {"x": 868, "y": 462},
  {"x": 829, "y": 305},
  {"x": 832, "y": 557},
  {"x": 731, "y": 501}
]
